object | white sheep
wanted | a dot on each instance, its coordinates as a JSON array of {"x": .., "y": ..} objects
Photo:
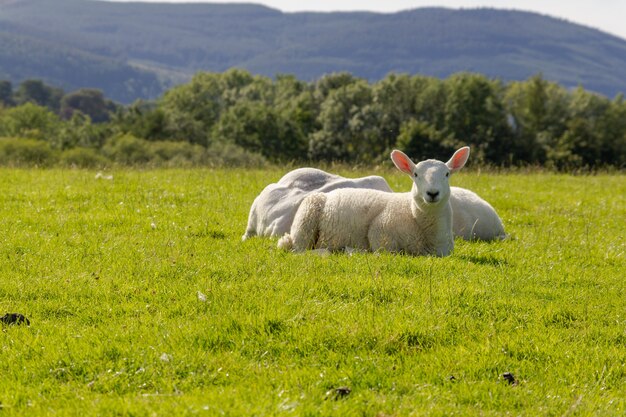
[
  {"x": 474, "y": 218},
  {"x": 418, "y": 222},
  {"x": 273, "y": 210}
]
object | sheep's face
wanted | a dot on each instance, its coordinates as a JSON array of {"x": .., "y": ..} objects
[
  {"x": 431, "y": 186},
  {"x": 430, "y": 177}
]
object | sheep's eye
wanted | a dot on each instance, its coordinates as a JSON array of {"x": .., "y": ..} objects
[
  {"x": 415, "y": 174},
  {"x": 447, "y": 174}
]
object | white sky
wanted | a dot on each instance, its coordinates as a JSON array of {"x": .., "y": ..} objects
[{"x": 606, "y": 15}]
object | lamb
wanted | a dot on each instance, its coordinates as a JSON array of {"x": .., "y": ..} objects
[
  {"x": 273, "y": 210},
  {"x": 418, "y": 222}
]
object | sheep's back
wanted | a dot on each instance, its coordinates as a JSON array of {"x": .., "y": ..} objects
[
  {"x": 473, "y": 217},
  {"x": 274, "y": 209},
  {"x": 350, "y": 213}
]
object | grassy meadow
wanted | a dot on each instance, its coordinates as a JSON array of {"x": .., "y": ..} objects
[{"x": 144, "y": 301}]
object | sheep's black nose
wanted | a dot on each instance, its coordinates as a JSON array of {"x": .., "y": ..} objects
[{"x": 432, "y": 194}]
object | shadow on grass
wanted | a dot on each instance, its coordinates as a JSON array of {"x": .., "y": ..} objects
[
  {"x": 211, "y": 234},
  {"x": 489, "y": 260}
]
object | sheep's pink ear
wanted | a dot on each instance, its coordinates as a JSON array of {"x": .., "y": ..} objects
[
  {"x": 402, "y": 162},
  {"x": 459, "y": 159}
]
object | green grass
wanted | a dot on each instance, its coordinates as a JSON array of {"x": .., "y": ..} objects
[{"x": 108, "y": 272}]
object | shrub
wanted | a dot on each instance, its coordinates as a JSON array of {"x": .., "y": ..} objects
[
  {"x": 422, "y": 140},
  {"x": 83, "y": 158},
  {"x": 26, "y": 152},
  {"x": 230, "y": 155},
  {"x": 128, "y": 150},
  {"x": 172, "y": 153},
  {"x": 29, "y": 121}
]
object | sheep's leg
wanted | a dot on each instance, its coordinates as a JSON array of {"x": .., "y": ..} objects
[
  {"x": 305, "y": 227},
  {"x": 252, "y": 223}
]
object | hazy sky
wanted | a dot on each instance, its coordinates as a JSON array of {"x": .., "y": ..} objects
[{"x": 607, "y": 15}]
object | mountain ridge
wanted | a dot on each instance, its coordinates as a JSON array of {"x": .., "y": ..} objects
[{"x": 138, "y": 50}]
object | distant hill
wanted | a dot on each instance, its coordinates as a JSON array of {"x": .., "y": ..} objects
[
  {"x": 22, "y": 57},
  {"x": 137, "y": 50}
]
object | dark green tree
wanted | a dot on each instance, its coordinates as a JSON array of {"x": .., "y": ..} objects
[
  {"x": 330, "y": 82},
  {"x": 80, "y": 132},
  {"x": 90, "y": 102},
  {"x": 394, "y": 100},
  {"x": 420, "y": 140},
  {"x": 30, "y": 121},
  {"x": 143, "y": 119},
  {"x": 475, "y": 115},
  {"x": 612, "y": 125},
  {"x": 256, "y": 127},
  {"x": 295, "y": 100},
  {"x": 430, "y": 101},
  {"x": 193, "y": 109},
  {"x": 36, "y": 92},
  {"x": 348, "y": 126},
  {"x": 6, "y": 94},
  {"x": 537, "y": 111}
]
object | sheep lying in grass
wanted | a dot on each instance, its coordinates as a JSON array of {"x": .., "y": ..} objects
[
  {"x": 473, "y": 218},
  {"x": 272, "y": 212},
  {"x": 418, "y": 222}
]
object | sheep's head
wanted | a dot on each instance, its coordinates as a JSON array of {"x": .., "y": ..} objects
[{"x": 430, "y": 177}]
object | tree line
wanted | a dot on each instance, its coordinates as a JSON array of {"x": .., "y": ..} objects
[{"x": 235, "y": 117}]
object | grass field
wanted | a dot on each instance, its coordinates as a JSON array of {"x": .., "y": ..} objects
[{"x": 143, "y": 301}]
